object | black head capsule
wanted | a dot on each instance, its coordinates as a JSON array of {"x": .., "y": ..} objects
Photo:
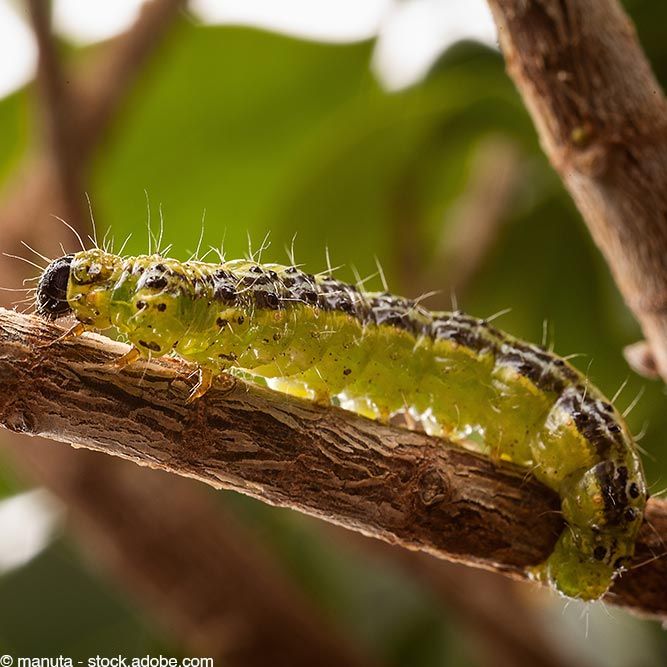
[{"x": 51, "y": 296}]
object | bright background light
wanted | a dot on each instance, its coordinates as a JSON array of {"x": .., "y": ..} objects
[
  {"x": 411, "y": 33},
  {"x": 27, "y": 524},
  {"x": 18, "y": 54},
  {"x": 326, "y": 20},
  {"x": 84, "y": 21},
  {"x": 415, "y": 33}
]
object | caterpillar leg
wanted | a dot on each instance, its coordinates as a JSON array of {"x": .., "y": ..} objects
[
  {"x": 128, "y": 358},
  {"x": 204, "y": 382},
  {"x": 73, "y": 332}
]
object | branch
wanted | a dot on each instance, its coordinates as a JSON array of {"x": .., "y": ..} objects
[
  {"x": 602, "y": 121},
  {"x": 403, "y": 487}
]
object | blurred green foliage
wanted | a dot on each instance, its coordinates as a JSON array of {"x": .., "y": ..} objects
[
  {"x": 272, "y": 135},
  {"x": 55, "y": 606}
]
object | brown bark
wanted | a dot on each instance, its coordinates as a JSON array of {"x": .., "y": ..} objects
[
  {"x": 392, "y": 483},
  {"x": 602, "y": 119},
  {"x": 400, "y": 486}
]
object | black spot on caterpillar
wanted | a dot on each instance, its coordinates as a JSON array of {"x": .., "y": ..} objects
[{"x": 380, "y": 355}]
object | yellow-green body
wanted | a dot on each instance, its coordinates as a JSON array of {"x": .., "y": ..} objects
[{"x": 459, "y": 377}]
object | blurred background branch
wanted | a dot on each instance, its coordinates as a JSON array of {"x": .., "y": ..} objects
[
  {"x": 79, "y": 108},
  {"x": 190, "y": 563},
  {"x": 58, "y": 114}
]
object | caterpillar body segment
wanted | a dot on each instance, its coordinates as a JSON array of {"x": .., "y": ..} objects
[{"x": 379, "y": 355}]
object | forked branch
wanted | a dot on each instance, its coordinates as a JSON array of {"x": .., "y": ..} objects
[{"x": 400, "y": 486}]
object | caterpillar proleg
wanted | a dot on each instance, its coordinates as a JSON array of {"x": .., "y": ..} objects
[{"x": 379, "y": 355}]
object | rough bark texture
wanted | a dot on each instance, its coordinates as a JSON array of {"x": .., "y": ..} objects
[
  {"x": 602, "y": 120},
  {"x": 389, "y": 483}
]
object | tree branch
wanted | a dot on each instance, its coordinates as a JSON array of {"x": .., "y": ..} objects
[
  {"x": 602, "y": 121},
  {"x": 403, "y": 487}
]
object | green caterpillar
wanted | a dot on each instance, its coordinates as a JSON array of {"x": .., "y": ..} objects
[{"x": 379, "y": 355}]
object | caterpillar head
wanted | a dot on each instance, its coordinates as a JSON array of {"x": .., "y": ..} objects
[
  {"x": 573, "y": 571},
  {"x": 51, "y": 296},
  {"x": 603, "y": 508}
]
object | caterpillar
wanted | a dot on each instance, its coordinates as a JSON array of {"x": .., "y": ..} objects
[{"x": 379, "y": 355}]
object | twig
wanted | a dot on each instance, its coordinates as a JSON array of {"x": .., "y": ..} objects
[
  {"x": 400, "y": 485},
  {"x": 389, "y": 483},
  {"x": 641, "y": 359},
  {"x": 602, "y": 120}
]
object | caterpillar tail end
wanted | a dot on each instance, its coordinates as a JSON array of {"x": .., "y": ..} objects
[{"x": 572, "y": 573}]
